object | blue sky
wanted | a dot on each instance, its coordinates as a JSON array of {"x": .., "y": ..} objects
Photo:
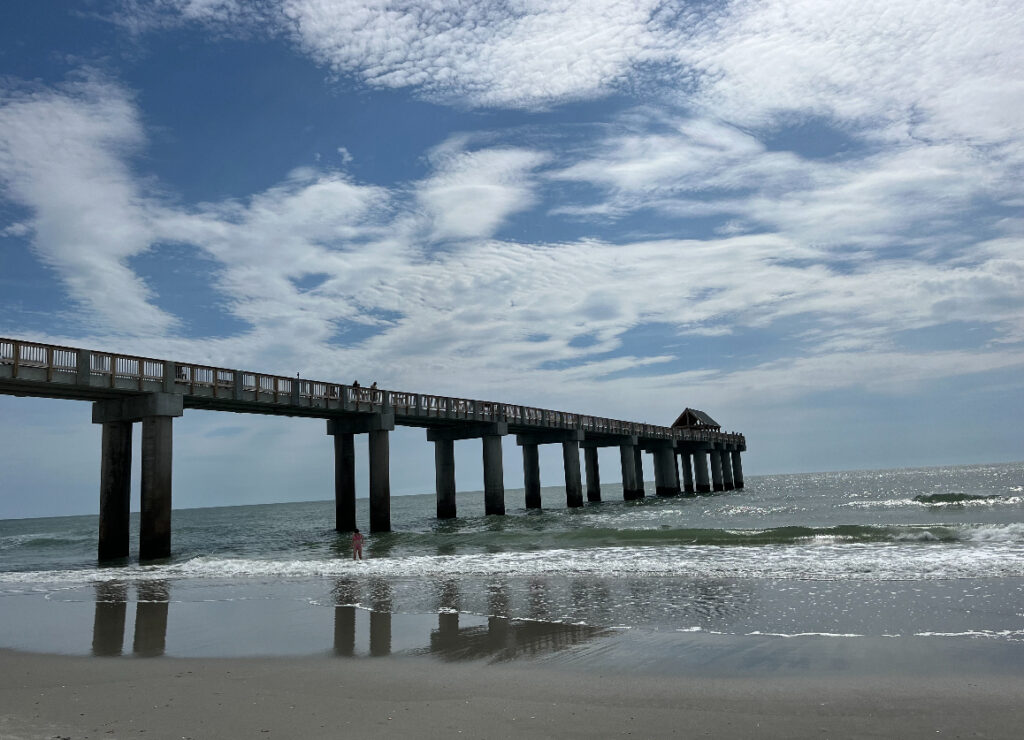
[{"x": 803, "y": 217}]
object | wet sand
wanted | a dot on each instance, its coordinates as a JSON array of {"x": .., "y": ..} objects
[{"x": 48, "y": 696}]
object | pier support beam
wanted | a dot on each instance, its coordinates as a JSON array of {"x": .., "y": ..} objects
[
  {"x": 531, "y": 475},
  {"x": 494, "y": 476},
  {"x": 727, "y": 484},
  {"x": 342, "y": 428},
  {"x": 156, "y": 411},
  {"x": 344, "y": 482},
  {"x": 684, "y": 458},
  {"x": 115, "y": 489},
  {"x": 716, "y": 470},
  {"x": 628, "y": 460},
  {"x": 444, "y": 476},
  {"x": 638, "y": 461},
  {"x": 700, "y": 471},
  {"x": 380, "y": 481},
  {"x": 377, "y": 427},
  {"x": 570, "y": 440},
  {"x": 666, "y": 482},
  {"x": 737, "y": 470},
  {"x": 155, "y": 513},
  {"x": 573, "y": 479},
  {"x": 593, "y": 474}
]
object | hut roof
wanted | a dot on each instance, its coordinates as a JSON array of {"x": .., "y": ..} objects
[{"x": 695, "y": 419}]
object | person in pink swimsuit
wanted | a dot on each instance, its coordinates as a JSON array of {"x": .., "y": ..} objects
[{"x": 357, "y": 545}]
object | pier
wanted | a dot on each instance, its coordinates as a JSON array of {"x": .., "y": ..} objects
[{"x": 127, "y": 389}]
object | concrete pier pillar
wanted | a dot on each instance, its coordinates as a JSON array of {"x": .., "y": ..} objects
[
  {"x": 684, "y": 459},
  {"x": 726, "y": 457},
  {"x": 444, "y": 476},
  {"x": 638, "y": 460},
  {"x": 344, "y": 482},
  {"x": 573, "y": 479},
  {"x": 494, "y": 476},
  {"x": 737, "y": 470},
  {"x": 380, "y": 481},
  {"x": 716, "y": 470},
  {"x": 593, "y": 474},
  {"x": 156, "y": 411},
  {"x": 155, "y": 515},
  {"x": 531, "y": 476},
  {"x": 628, "y": 460},
  {"x": 700, "y": 471},
  {"x": 666, "y": 482},
  {"x": 115, "y": 489}
]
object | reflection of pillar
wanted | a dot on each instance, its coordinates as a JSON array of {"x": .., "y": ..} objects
[
  {"x": 108, "y": 622},
  {"x": 628, "y": 472},
  {"x": 700, "y": 471},
  {"x": 448, "y": 615},
  {"x": 726, "y": 470},
  {"x": 716, "y": 469},
  {"x": 380, "y": 634},
  {"x": 444, "y": 476},
  {"x": 346, "y": 594},
  {"x": 665, "y": 481},
  {"x": 531, "y": 475},
  {"x": 115, "y": 489},
  {"x": 593, "y": 474},
  {"x": 497, "y": 620},
  {"x": 345, "y": 630},
  {"x": 638, "y": 460},
  {"x": 151, "y": 619},
  {"x": 380, "y": 620},
  {"x": 380, "y": 481},
  {"x": 737, "y": 469},
  {"x": 344, "y": 482},
  {"x": 494, "y": 476},
  {"x": 684, "y": 457},
  {"x": 538, "y": 603},
  {"x": 155, "y": 515},
  {"x": 571, "y": 465}
]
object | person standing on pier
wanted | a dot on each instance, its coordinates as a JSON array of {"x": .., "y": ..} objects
[{"x": 357, "y": 545}]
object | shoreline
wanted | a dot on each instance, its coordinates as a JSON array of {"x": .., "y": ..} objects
[{"x": 46, "y": 696}]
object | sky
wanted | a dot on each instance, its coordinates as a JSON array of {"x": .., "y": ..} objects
[{"x": 803, "y": 217}]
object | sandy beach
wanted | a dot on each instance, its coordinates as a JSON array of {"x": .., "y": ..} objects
[{"x": 48, "y": 696}]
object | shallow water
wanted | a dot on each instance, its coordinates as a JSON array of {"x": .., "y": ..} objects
[{"x": 925, "y": 564}]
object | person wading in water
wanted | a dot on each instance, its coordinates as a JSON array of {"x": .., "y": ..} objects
[{"x": 357, "y": 545}]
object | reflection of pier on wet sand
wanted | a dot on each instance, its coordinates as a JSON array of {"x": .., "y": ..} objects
[
  {"x": 152, "y": 601},
  {"x": 500, "y": 639}
]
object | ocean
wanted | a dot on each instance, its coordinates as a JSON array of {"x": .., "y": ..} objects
[{"x": 914, "y": 569}]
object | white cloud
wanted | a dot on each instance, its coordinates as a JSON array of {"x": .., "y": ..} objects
[
  {"x": 63, "y": 154},
  {"x": 940, "y": 69},
  {"x": 536, "y": 323},
  {"x": 472, "y": 193}
]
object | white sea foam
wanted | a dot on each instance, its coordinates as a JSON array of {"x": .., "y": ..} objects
[
  {"x": 994, "y": 533},
  {"x": 997, "y": 551}
]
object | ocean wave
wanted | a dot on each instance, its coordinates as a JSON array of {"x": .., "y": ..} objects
[
  {"x": 998, "y": 553},
  {"x": 952, "y": 498},
  {"x": 936, "y": 501}
]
